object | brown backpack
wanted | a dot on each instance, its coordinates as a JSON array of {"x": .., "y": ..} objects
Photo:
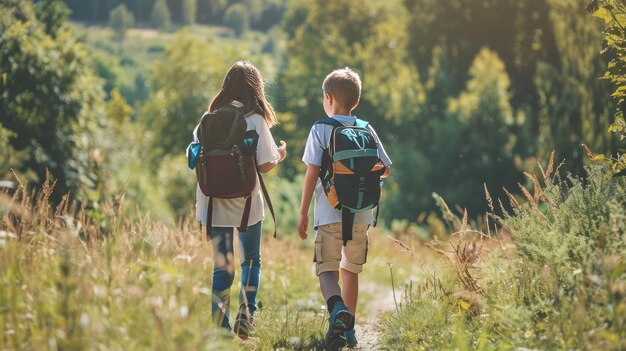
[{"x": 226, "y": 167}]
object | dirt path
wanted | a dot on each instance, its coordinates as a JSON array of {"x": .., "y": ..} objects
[{"x": 368, "y": 331}]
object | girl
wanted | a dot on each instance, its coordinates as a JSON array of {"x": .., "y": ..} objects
[{"x": 242, "y": 83}]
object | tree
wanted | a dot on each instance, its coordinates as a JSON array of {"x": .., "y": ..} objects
[
  {"x": 161, "y": 15},
  {"x": 52, "y": 13},
  {"x": 120, "y": 20},
  {"x": 9, "y": 158},
  {"x": 117, "y": 109},
  {"x": 613, "y": 13},
  {"x": 479, "y": 146},
  {"x": 50, "y": 99},
  {"x": 189, "y": 11},
  {"x": 371, "y": 39},
  {"x": 574, "y": 105},
  {"x": 237, "y": 18},
  {"x": 183, "y": 83}
]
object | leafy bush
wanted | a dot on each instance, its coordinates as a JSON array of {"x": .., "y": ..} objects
[
  {"x": 189, "y": 11},
  {"x": 563, "y": 286},
  {"x": 50, "y": 98},
  {"x": 160, "y": 16},
  {"x": 120, "y": 20},
  {"x": 237, "y": 18}
]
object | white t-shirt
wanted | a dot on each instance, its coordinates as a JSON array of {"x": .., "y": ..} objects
[
  {"x": 318, "y": 140},
  {"x": 228, "y": 212}
]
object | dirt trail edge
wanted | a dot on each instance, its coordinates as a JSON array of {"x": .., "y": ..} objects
[{"x": 368, "y": 330}]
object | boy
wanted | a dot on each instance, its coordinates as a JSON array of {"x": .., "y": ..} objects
[{"x": 342, "y": 91}]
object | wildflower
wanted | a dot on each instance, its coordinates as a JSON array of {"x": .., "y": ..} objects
[
  {"x": 84, "y": 320},
  {"x": 184, "y": 311},
  {"x": 294, "y": 341}
]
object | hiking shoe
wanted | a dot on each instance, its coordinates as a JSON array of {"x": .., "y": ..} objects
[
  {"x": 351, "y": 340},
  {"x": 338, "y": 322},
  {"x": 244, "y": 324}
]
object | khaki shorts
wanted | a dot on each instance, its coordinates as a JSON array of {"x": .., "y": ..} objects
[{"x": 330, "y": 254}]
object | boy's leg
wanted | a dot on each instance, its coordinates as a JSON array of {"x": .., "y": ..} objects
[
  {"x": 250, "y": 260},
  {"x": 223, "y": 274},
  {"x": 328, "y": 246},
  {"x": 350, "y": 289},
  {"x": 353, "y": 258},
  {"x": 329, "y": 284},
  {"x": 327, "y": 258}
]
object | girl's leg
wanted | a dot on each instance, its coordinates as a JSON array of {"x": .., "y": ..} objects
[
  {"x": 223, "y": 274},
  {"x": 250, "y": 259}
]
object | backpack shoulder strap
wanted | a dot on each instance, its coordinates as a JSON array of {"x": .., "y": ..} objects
[
  {"x": 361, "y": 123},
  {"x": 330, "y": 121},
  {"x": 266, "y": 195}
]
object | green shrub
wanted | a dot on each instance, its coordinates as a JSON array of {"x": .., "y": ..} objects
[
  {"x": 563, "y": 286},
  {"x": 161, "y": 17},
  {"x": 238, "y": 19},
  {"x": 120, "y": 20}
]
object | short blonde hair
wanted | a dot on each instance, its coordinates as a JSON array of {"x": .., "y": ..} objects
[{"x": 344, "y": 85}]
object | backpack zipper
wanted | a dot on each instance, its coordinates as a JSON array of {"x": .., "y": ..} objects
[{"x": 234, "y": 151}]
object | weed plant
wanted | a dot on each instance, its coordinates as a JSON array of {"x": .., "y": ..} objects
[
  {"x": 68, "y": 281},
  {"x": 559, "y": 283}
]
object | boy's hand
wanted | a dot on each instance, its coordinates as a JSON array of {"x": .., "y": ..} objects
[
  {"x": 303, "y": 224},
  {"x": 282, "y": 150}
]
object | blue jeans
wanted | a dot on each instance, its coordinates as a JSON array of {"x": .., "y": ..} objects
[{"x": 224, "y": 270}]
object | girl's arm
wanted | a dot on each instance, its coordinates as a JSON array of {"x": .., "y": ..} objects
[
  {"x": 310, "y": 179},
  {"x": 268, "y": 166}
]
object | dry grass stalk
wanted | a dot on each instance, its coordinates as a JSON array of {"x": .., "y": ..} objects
[
  {"x": 403, "y": 246},
  {"x": 466, "y": 255},
  {"x": 447, "y": 213},
  {"x": 512, "y": 199},
  {"x": 536, "y": 185},
  {"x": 502, "y": 209},
  {"x": 526, "y": 194},
  {"x": 409, "y": 251},
  {"x": 588, "y": 152},
  {"x": 488, "y": 198},
  {"x": 550, "y": 167},
  {"x": 464, "y": 223}
]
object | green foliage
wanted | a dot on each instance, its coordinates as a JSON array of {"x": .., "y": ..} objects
[
  {"x": 561, "y": 288},
  {"x": 177, "y": 185},
  {"x": 487, "y": 135},
  {"x": 572, "y": 79},
  {"x": 117, "y": 109},
  {"x": 53, "y": 14},
  {"x": 49, "y": 98},
  {"x": 346, "y": 35},
  {"x": 183, "y": 83},
  {"x": 189, "y": 11},
  {"x": 9, "y": 158},
  {"x": 160, "y": 17},
  {"x": 120, "y": 20},
  {"x": 613, "y": 13},
  {"x": 237, "y": 18}
]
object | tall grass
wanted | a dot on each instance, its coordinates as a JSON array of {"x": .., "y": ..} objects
[
  {"x": 69, "y": 281},
  {"x": 72, "y": 278},
  {"x": 560, "y": 283}
]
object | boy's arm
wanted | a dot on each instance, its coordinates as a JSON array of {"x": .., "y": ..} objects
[
  {"x": 310, "y": 179},
  {"x": 387, "y": 172}
]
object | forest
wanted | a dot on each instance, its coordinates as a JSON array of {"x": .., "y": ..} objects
[
  {"x": 465, "y": 93},
  {"x": 471, "y": 98}
]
